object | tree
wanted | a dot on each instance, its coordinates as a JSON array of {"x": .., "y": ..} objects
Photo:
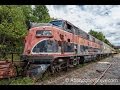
[
  {"x": 107, "y": 42},
  {"x": 14, "y": 20},
  {"x": 12, "y": 26},
  {"x": 100, "y": 36},
  {"x": 37, "y": 14},
  {"x": 41, "y": 13}
]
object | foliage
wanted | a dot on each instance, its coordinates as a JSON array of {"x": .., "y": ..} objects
[
  {"x": 17, "y": 81},
  {"x": 100, "y": 36},
  {"x": 22, "y": 81},
  {"x": 14, "y": 23},
  {"x": 12, "y": 27},
  {"x": 41, "y": 13}
]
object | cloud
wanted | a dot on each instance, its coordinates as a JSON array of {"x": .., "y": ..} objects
[{"x": 104, "y": 18}]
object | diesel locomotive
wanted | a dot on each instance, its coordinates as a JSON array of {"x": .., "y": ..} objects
[{"x": 58, "y": 45}]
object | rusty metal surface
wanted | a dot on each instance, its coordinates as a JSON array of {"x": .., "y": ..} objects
[
  {"x": 36, "y": 70},
  {"x": 7, "y": 69}
]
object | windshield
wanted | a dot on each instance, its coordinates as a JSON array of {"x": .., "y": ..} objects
[
  {"x": 57, "y": 23},
  {"x": 46, "y": 46}
]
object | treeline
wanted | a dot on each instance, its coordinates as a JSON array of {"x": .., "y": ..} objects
[
  {"x": 14, "y": 20},
  {"x": 100, "y": 36}
]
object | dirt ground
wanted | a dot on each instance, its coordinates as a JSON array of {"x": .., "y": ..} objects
[{"x": 90, "y": 73}]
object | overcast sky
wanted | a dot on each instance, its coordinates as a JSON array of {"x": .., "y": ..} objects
[{"x": 104, "y": 18}]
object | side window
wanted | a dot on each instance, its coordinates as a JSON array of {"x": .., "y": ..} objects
[
  {"x": 87, "y": 48},
  {"x": 81, "y": 33},
  {"x": 82, "y": 48},
  {"x": 40, "y": 47},
  {"x": 88, "y": 37},
  {"x": 71, "y": 47},
  {"x": 93, "y": 39},
  {"x": 77, "y": 31},
  {"x": 69, "y": 28},
  {"x": 68, "y": 47},
  {"x": 46, "y": 46},
  {"x": 52, "y": 46}
]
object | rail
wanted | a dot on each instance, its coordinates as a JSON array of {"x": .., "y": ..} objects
[{"x": 95, "y": 82}]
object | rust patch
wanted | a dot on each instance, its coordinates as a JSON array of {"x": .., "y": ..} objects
[{"x": 7, "y": 69}]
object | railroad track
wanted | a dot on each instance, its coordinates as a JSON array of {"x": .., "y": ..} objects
[
  {"x": 95, "y": 82},
  {"x": 63, "y": 75},
  {"x": 76, "y": 72},
  {"x": 71, "y": 70}
]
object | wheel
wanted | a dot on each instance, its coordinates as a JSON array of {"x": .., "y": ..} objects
[
  {"x": 75, "y": 62},
  {"x": 66, "y": 65},
  {"x": 58, "y": 68},
  {"x": 52, "y": 69},
  {"x": 81, "y": 61},
  {"x": 94, "y": 58}
]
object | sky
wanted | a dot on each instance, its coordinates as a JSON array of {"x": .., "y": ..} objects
[{"x": 101, "y": 18}]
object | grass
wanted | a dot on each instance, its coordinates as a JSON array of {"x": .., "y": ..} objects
[
  {"x": 17, "y": 81},
  {"x": 16, "y": 57},
  {"x": 5, "y": 82},
  {"x": 22, "y": 81}
]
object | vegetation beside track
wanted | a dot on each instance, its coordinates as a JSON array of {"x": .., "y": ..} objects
[{"x": 17, "y": 81}]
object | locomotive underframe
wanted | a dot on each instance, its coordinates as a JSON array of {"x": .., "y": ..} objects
[{"x": 56, "y": 63}]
